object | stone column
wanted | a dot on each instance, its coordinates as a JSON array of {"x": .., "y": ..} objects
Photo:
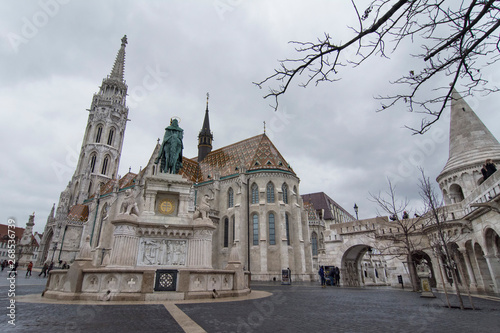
[
  {"x": 125, "y": 243},
  {"x": 149, "y": 206}
]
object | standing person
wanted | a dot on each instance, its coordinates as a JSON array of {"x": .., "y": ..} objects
[
  {"x": 331, "y": 275},
  {"x": 321, "y": 274},
  {"x": 30, "y": 267},
  {"x": 4, "y": 264},
  {"x": 44, "y": 269},
  {"x": 337, "y": 276},
  {"x": 490, "y": 167}
]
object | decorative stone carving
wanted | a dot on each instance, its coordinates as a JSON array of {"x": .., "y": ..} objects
[
  {"x": 162, "y": 252},
  {"x": 85, "y": 250},
  {"x": 129, "y": 204},
  {"x": 202, "y": 211}
]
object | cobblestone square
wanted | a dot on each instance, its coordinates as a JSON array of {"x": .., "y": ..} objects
[{"x": 301, "y": 307}]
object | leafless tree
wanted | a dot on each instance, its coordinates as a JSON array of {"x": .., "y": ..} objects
[
  {"x": 459, "y": 40},
  {"x": 441, "y": 237},
  {"x": 406, "y": 237}
]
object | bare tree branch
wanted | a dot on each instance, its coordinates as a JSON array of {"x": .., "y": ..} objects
[{"x": 459, "y": 40}]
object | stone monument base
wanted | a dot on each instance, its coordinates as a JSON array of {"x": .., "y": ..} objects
[{"x": 137, "y": 284}]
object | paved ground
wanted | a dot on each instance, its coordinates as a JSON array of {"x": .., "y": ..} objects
[{"x": 298, "y": 308}]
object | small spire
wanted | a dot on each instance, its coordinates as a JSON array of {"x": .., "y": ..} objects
[
  {"x": 208, "y": 96},
  {"x": 119, "y": 65},
  {"x": 129, "y": 169},
  {"x": 264, "y": 127}
]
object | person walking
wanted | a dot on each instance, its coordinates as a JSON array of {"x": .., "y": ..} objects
[
  {"x": 321, "y": 274},
  {"x": 30, "y": 267},
  {"x": 51, "y": 266},
  {"x": 44, "y": 270},
  {"x": 14, "y": 270}
]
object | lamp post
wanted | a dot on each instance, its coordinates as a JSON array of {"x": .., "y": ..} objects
[
  {"x": 54, "y": 251},
  {"x": 356, "y": 210}
]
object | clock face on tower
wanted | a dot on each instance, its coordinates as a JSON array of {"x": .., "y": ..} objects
[{"x": 166, "y": 206}]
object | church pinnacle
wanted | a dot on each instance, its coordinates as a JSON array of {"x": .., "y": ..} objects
[
  {"x": 119, "y": 65},
  {"x": 205, "y": 137}
]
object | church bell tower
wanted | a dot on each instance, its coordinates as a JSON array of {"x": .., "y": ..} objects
[{"x": 103, "y": 139}]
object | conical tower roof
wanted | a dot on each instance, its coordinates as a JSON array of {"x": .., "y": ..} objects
[
  {"x": 119, "y": 65},
  {"x": 471, "y": 143}
]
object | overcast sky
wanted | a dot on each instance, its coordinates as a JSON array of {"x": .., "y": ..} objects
[{"x": 55, "y": 53}]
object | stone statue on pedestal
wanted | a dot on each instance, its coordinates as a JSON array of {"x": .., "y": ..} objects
[
  {"x": 129, "y": 204},
  {"x": 202, "y": 211},
  {"x": 170, "y": 155}
]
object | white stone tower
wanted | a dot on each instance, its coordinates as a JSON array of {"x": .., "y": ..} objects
[
  {"x": 102, "y": 143},
  {"x": 98, "y": 163},
  {"x": 471, "y": 143}
]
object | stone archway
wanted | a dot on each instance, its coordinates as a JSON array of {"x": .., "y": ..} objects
[
  {"x": 492, "y": 241},
  {"x": 482, "y": 267},
  {"x": 48, "y": 240},
  {"x": 417, "y": 257},
  {"x": 357, "y": 272}
]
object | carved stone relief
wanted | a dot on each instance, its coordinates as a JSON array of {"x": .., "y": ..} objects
[{"x": 163, "y": 252}]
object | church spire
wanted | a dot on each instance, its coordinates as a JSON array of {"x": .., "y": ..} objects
[
  {"x": 119, "y": 65},
  {"x": 205, "y": 137},
  {"x": 471, "y": 143}
]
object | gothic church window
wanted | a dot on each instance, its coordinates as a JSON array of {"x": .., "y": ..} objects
[
  {"x": 233, "y": 222},
  {"x": 98, "y": 135},
  {"x": 287, "y": 226},
  {"x": 255, "y": 229},
  {"x": 226, "y": 232},
  {"x": 255, "y": 194},
  {"x": 314, "y": 244},
  {"x": 284, "y": 188},
  {"x": 230, "y": 198},
  {"x": 92, "y": 162},
  {"x": 105, "y": 165},
  {"x": 270, "y": 193},
  {"x": 272, "y": 230},
  {"x": 110, "y": 136}
]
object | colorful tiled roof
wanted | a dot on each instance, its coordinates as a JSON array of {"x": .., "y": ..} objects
[
  {"x": 255, "y": 153},
  {"x": 79, "y": 213},
  {"x": 311, "y": 212}
]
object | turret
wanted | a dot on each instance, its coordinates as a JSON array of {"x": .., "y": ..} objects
[{"x": 471, "y": 144}]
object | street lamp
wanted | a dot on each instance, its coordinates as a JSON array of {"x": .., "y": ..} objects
[
  {"x": 54, "y": 251},
  {"x": 356, "y": 210}
]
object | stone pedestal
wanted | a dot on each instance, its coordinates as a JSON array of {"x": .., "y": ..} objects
[
  {"x": 125, "y": 242},
  {"x": 200, "y": 245},
  {"x": 423, "y": 274}
]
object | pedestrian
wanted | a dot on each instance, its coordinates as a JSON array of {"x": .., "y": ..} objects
[
  {"x": 331, "y": 275},
  {"x": 30, "y": 267},
  {"x": 490, "y": 167},
  {"x": 51, "y": 266},
  {"x": 44, "y": 269},
  {"x": 4, "y": 264},
  {"x": 337, "y": 276},
  {"x": 321, "y": 274},
  {"x": 14, "y": 270}
]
